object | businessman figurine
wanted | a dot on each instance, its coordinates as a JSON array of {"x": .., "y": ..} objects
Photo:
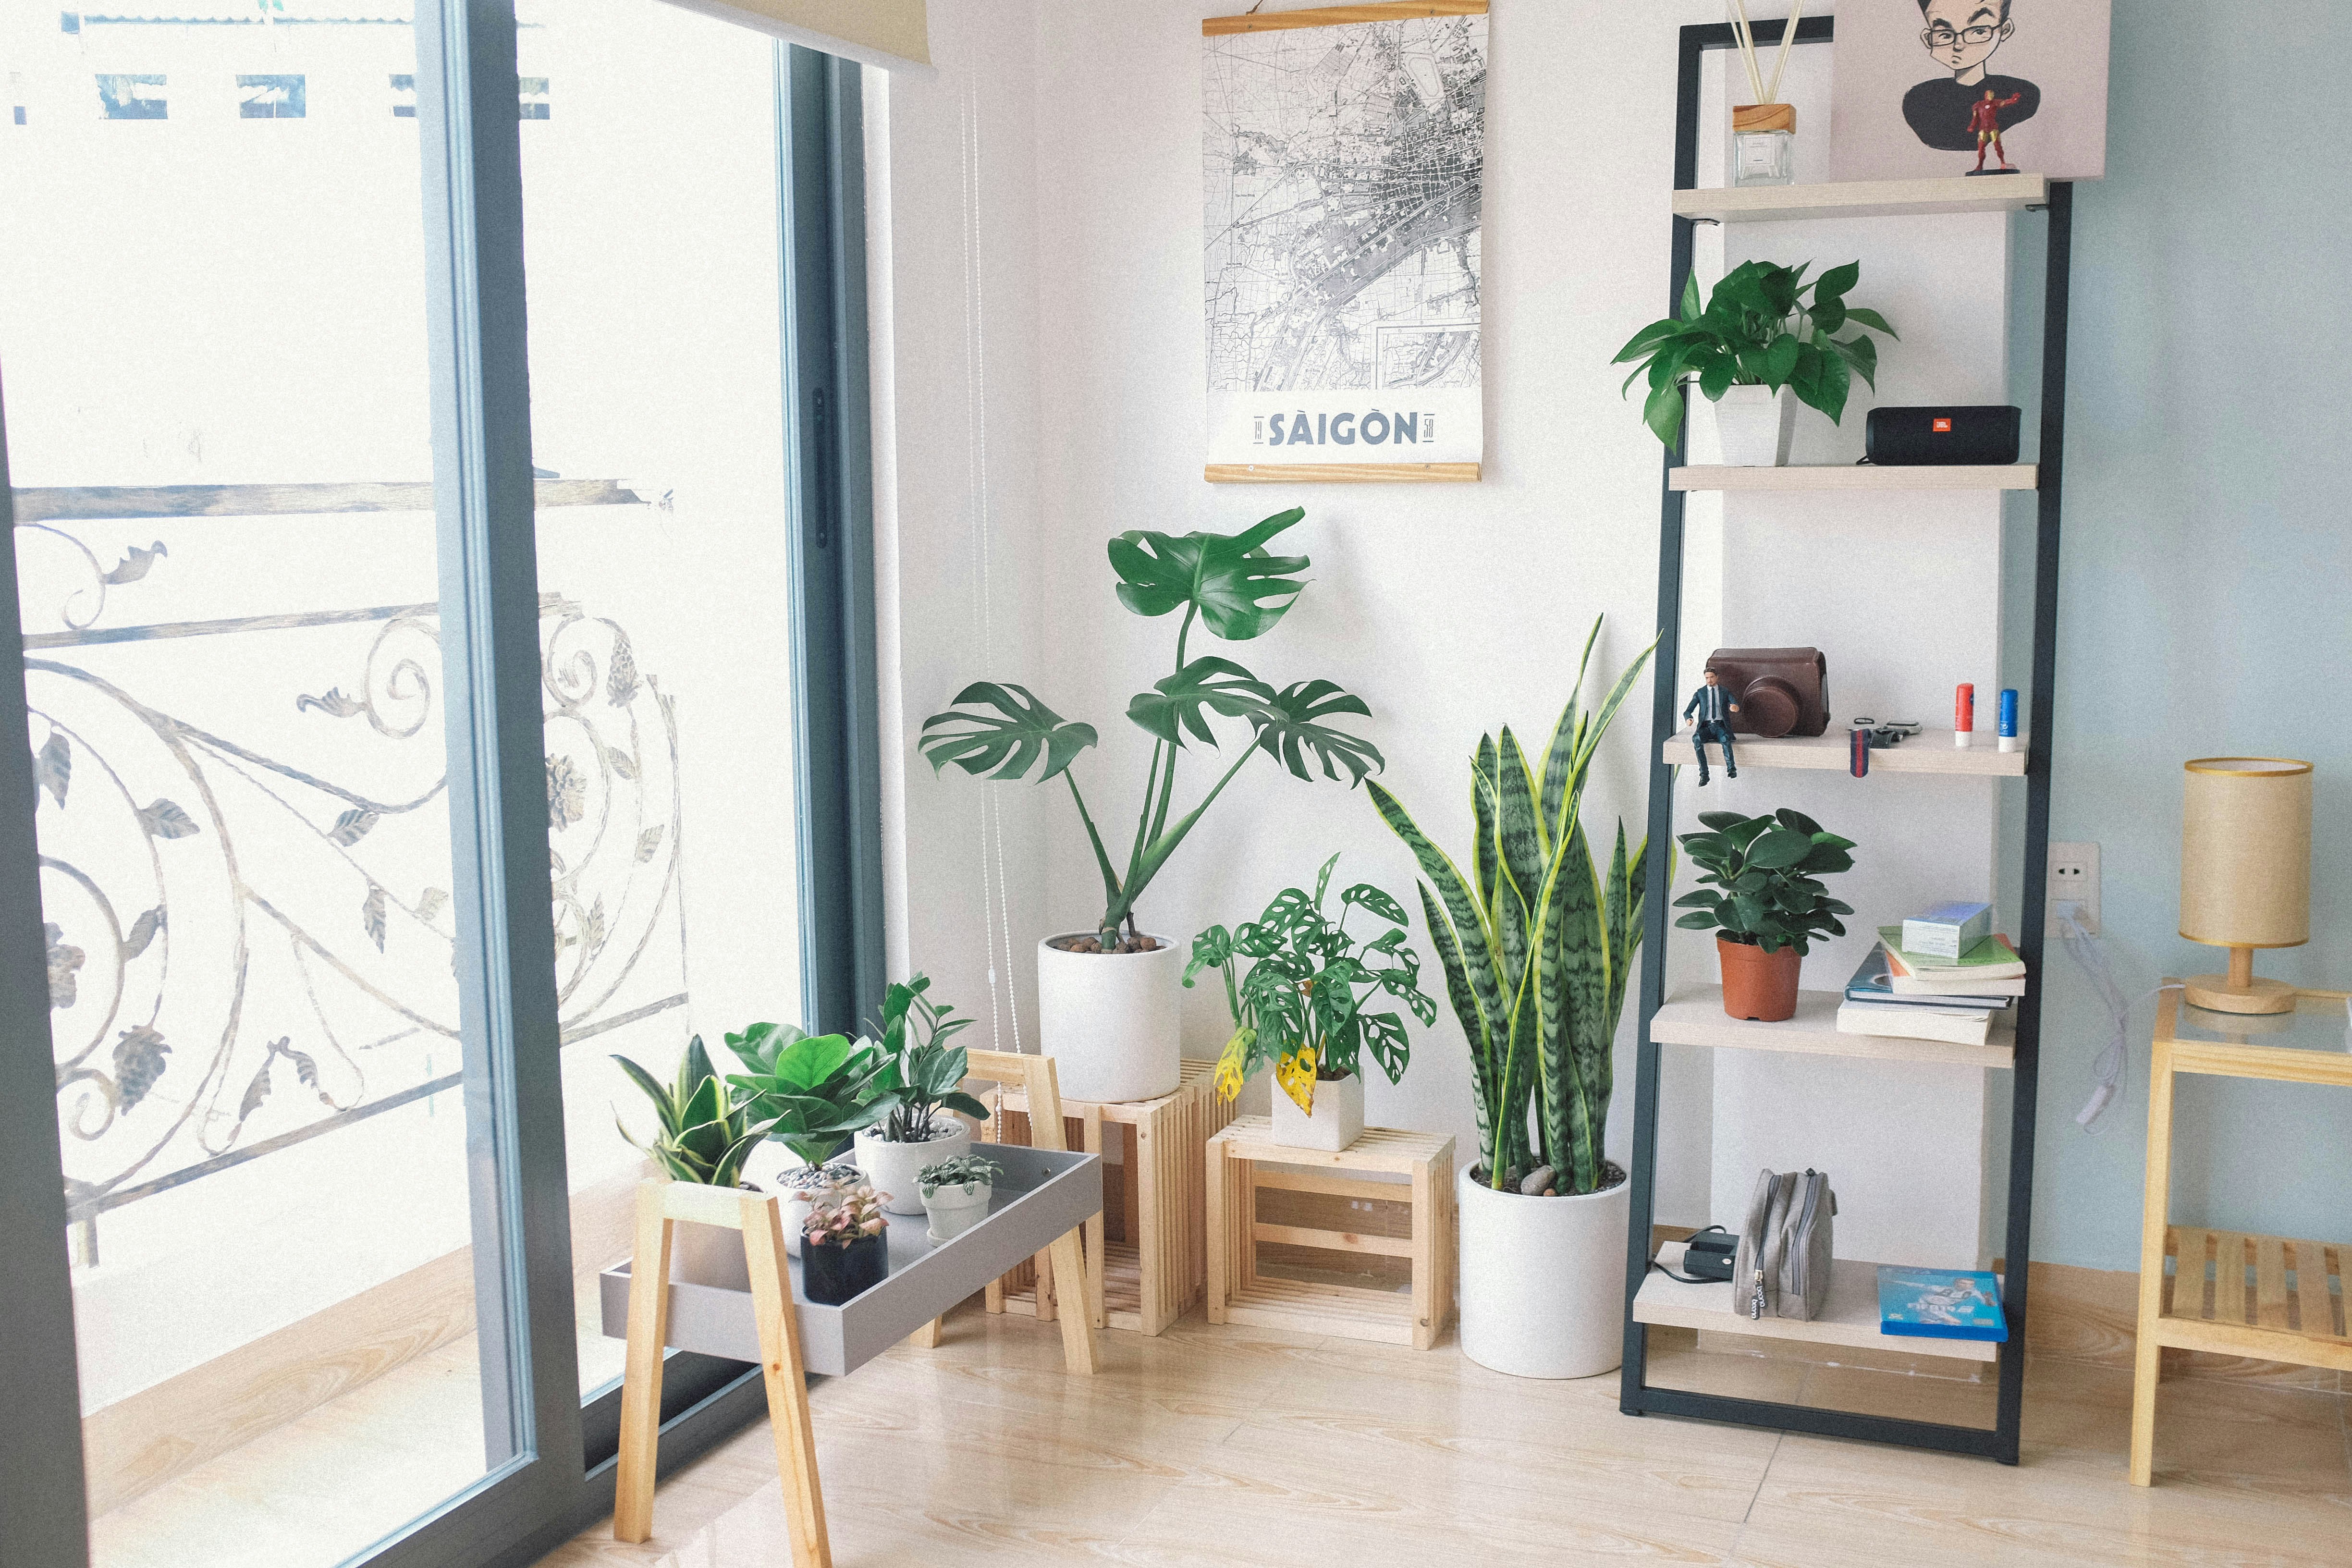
[{"x": 1713, "y": 707}]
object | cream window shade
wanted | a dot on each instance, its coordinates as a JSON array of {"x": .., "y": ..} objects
[{"x": 891, "y": 34}]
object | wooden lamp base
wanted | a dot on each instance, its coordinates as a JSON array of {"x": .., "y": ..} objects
[{"x": 2239, "y": 991}]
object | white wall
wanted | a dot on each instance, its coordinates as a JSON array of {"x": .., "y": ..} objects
[{"x": 2198, "y": 497}]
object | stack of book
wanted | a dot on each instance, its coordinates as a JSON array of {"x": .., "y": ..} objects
[{"x": 1920, "y": 997}]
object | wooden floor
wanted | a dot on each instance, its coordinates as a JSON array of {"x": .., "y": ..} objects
[{"x": 1229, "y": 1445}]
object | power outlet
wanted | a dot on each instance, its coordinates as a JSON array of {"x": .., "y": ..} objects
[{"x": 2074, "y": 879}]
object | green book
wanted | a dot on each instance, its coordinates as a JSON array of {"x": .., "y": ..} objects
[{"x": 1991, "y": 959}]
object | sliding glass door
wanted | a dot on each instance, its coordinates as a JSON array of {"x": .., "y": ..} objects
[{"x": 415, "y": 712}]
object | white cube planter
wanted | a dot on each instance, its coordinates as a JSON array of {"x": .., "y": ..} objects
[
  {"x": 1543, "y": 1280},
  {"x": 1337, "y": 1120},
  {"x": 1753, "y": 424},
  {"x": 891, "y": 1168},
  {"x": 1109, "y": 1020}
]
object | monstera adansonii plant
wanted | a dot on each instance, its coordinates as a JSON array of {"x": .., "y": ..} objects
[{"x": 1228, "y": 583}]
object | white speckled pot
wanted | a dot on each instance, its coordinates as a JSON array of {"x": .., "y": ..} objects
[
  {"x": 1109, "y": 1020},
  {"x": 1543, "y": 1280}
]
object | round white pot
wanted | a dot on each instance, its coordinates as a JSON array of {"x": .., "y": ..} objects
[
  {"x": 708, "y": 1254},
  {"x": 1753, "y": 424},
  {"x": 1109, "y": 1020},
  {"x": 1337, "y": 1122},
  {"x": 956, "y": 1209},
  {"x": 1543, "y": 1281},
  {"x": 893, "y": 1167}
]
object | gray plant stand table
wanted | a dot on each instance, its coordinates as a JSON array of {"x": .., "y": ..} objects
[{"x": 1041, "y": 1204}]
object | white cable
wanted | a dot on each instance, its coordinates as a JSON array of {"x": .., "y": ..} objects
[{"x": 2111, "y": 1068}]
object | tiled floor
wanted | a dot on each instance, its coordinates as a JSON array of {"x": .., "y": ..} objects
[{"x": 1222, "y": 1446}]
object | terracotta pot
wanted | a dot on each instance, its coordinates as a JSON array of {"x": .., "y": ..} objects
[{"x": 1758, "y": 985}]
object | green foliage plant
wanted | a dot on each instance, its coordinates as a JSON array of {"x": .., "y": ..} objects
[
  {"x": 920, "y": 1076},
  {"x": 706, "y": 1133},
  {"x": 1301, "y": 1006},
  {"x": 1536, "y": 944},
  {"x": 1759, "y": 329},
  {"x": 812, "y": 1090},
  {"x": 1763, "y": 881},
  {"x": 1230, "y": 585},
  {"x": 961, "y": 1170}
]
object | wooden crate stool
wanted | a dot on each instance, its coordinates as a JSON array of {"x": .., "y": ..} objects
[
  {"x": 1148, "y": 1260},
  {"x": 1239, "y": 1293}
]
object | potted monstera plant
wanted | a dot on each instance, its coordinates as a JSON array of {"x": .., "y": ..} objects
[
  {"x": 1107, "y": 994},
  {"x": 1537, "y": 944}
]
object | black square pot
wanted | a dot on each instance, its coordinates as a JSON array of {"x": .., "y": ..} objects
[{"x": 832, "y": 1275}]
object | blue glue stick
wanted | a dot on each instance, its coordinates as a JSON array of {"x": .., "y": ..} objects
[{"x": 2008, "y": 719}]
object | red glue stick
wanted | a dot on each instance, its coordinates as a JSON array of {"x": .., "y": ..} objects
[{"x": 1964, "y": 712}]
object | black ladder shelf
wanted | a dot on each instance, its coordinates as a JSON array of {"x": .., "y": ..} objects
[{"x": 1637, "y": 1397}]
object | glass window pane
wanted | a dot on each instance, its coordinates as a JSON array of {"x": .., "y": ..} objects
[
  {"x": 650, "y": 204},
  {"x": 214, "y": 334}
]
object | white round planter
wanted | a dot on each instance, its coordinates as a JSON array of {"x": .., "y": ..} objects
[
  {"x": 708, "y": 1254},
  {"x": 1543, "y": 1281},
  {"x": 1337, "y": 1122},
  {"x": 1109, "y": 1020},
  {"x": 892, "y": 1168},
  {"x": 957, "y": 1208},
  {"x": 1753, "y": 424}
]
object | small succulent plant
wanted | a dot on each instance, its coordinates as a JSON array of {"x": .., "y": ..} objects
[
  {"x": 962, "y": 1169},
  {"x": 843, "y": 1214}
]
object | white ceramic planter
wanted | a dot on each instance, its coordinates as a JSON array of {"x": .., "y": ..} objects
[
  {"x": 708, "y": 1254},
  {"x": 957, "y": 1208},
  {"x": 1337, "y": 1122},
  {"x": 1543, "y": 1281},
  {"x": 893, "y": 1167},
  {"x": 1753, "y": 424},
  {"x": 1109, "y": 1020}
]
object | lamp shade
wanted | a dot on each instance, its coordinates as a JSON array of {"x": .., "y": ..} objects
[{"x": 2245, "y": 852}]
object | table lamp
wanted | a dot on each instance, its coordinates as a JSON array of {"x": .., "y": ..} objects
[{"x": 2245, "y": 873}]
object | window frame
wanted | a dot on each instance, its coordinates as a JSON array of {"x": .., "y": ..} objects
[{"x": 552, "y": 1452}]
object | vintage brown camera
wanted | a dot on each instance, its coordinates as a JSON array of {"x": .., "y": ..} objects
[{"x": 1779, "y": 690}]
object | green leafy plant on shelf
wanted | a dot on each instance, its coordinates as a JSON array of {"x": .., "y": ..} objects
[
  {"x": 1761, "y": 883},
  {"x": 1763, "y": 326},
  {"x": 1301, "y": 1006},
  {"x": 1230, "y": 585},
  {"x": 920, "y": 1077},
  {"x": 812, "y": 1090},
  {"x": 1537, "y": 945},
  {"x": 706, "y": 1133},
  {"x": 961, "y": 1170}
]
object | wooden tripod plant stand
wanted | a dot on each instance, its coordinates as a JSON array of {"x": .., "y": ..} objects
[{"x": 1043, "y": 1202}]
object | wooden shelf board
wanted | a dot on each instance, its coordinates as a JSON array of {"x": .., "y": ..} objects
[
  {"x": 1850, "y": 1317},
  {"x": 1929, "y": 751},
  {"x": 1694, "y": 1017},
  {"x": 1865, "y": 198},
  {"x": 1858, "y": 477}
]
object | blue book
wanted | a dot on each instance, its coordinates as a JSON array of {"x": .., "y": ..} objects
[
  {"x": 1940, "y": 1303},
  {"x": 1874, "y": 981}
]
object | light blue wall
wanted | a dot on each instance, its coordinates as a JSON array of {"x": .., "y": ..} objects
[{"x": 2205, "y": 606}]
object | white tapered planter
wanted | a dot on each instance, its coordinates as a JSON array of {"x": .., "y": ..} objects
[
  {"x": 1754, "y": 424},
  {"x": 1543, "y": 1280},
  {"x": 891, "y": 1168},
  {"x": 1337, "y": 1120},
  {"x": 1109, "y": 1020},
  {"x": 708, "y": 1254}
]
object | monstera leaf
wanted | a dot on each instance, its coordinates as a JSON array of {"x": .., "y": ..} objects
[
  {"x": 1002, "y": 744},
  {"x": 1239, "y": 589},
  {"x": 1175, "y": 704},
  {"x": 1293, "y": 728}
]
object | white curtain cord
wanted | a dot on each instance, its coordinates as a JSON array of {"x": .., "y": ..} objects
[
  {"x": 995, "y": 910},
  {"x": 2113, "y": 1068}
]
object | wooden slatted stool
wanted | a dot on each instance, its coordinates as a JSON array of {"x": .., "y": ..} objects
[
  {"x": 1152, "y": 1240},
  {"x": 1240, "y": 1293}
]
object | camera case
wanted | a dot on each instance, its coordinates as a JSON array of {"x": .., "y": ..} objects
[{"x": 1779, "y": 690}]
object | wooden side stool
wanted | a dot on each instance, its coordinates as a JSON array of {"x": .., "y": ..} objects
[
  {"x": 1238, "y": 1293},
  {"x": 1150, "y": 1262}
]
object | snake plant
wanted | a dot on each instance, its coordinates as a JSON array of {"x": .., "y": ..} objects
[
  {"x": 706, "y": 1135},
  {"x": 1536, "y": 944},
  {"x": 1232, "y": 585}
]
